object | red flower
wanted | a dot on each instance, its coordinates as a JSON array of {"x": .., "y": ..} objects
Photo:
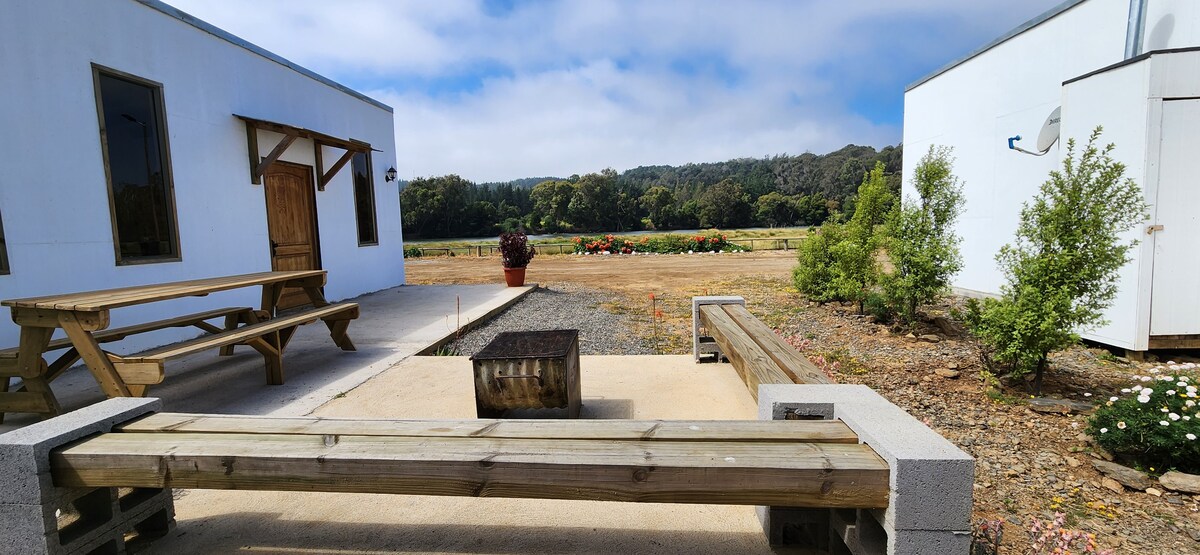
[{"x": 652, "y": 296}]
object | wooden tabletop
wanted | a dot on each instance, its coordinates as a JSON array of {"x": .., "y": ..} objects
[{"x": 94, "y": 301}]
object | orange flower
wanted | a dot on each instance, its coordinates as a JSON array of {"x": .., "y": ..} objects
[
  {"x": 658, "y": 314},
  {"x": 652, "y": 296}
]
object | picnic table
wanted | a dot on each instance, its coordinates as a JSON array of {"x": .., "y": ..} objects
[{"x": 84, "y": 317}]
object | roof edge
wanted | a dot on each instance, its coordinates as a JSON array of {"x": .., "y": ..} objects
[
  {"x": 222, "y": 34},
  {"x": 1040, "y": 19}
]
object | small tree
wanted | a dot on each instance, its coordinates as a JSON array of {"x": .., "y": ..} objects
[
  {"x": 1062, "y": 267},
  {"x": 839, "y": 262},
  {"x": 920, "y": 238},
  {"x": 813, "y": 275}
]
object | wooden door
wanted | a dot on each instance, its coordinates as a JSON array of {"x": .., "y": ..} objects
[
  {"x": 1175, "y": 293},
  {"x": 292, "y": 223}
]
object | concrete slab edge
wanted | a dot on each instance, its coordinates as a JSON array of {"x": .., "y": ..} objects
[{"x": 449, "y": 337}]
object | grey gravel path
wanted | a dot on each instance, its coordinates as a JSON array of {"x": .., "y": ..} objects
[{"x": 563, "y": 306}]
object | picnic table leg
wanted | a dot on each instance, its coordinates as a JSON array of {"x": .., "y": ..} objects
[
  {"x": 102, "y": 369},
  {"x": 337, "y": 328},
  {"x": 231, "y": 322},
  {"x": 271, "y": 293},
  {"x": 32, "y": 368}
]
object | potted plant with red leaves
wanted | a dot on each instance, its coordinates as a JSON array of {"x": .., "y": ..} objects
[{"x": 515, "y": 254}]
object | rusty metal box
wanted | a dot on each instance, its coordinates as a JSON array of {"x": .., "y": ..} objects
[{"x": 529, "y": 369}]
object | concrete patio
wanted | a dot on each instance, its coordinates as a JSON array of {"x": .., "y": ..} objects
[{"x": 394, "y": 324}]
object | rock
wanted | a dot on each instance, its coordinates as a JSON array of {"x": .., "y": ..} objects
[
  {"x": 947, "y": 373},
  {"x": 1194, "y": 533},
  {"x": 910, "y": 336},
  {"x": 1015, "y": 470},
  {"x": 952, "y": 365},
  {"x": 1048, "y": 459},
  {"x": 1059, "y": 406},
  {"x": 1113, "y": 485},
  {"x": 1174, "y": 500},
  {"x": 945, "y": 325},
  {"x": 1072, "y": 461},
  {"x": 1178, "y": 481},
  {"x": 929, "y": 338},
  {"x": 1127, "y": 477},
  {"x": 1154, "y": 491}
]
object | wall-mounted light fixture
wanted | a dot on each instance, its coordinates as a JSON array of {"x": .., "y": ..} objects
[{"x": 390, "y": 175}]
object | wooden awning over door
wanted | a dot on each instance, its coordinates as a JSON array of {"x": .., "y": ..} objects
[{"x": 290, "y": 133}]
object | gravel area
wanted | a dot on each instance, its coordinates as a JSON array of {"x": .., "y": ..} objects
[{"x": 564, "y": 306}]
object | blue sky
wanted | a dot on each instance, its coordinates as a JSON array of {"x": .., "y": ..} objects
[{"x": 502, "y": 89}]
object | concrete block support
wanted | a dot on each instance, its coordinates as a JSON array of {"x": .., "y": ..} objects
[
  {"x": 40, "y": 518},
  {"x": 703, "y": 344},
  {"x": 929, "y": 511}
]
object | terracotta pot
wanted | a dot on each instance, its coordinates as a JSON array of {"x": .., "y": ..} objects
[{"x": 514, "y": 277}]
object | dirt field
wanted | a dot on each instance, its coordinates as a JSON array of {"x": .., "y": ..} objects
[{"x": 625, "y": 272}]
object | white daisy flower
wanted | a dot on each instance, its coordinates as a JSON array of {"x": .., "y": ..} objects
[
  {"x": 1191, "y": 437},
  {"x": 1173, "y": 416},
  {"x": 1104, "y": 430},
  {"x": 1113, "y": 399},
  {"x": 1087, "y": 394},
  {"x": 1137, "y": 388},
  {"x": 1121, "y": 425},
  {"x": 1163, "y": 423}
]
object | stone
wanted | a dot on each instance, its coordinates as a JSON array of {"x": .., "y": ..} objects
[
  {"x": 1128, "y": 477},
  {"x": 944, "y": 324},
  {"x": 929, "y": 338},
  {"x": 1179, "y": 481},
  {"x": 952, "y": 365},
  {"x": 1059, "y": 406},
  {"x": 1154, "y": 491},
  {"x": 1072, "y": 461},
  {"x": 947, "y": 373},
  {"x": 1113, "y": 485}
]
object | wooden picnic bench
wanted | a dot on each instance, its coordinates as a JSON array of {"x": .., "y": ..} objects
[
  {"x": 793, "y": 463},
  {"x": 84, "y": 317},
  {"x": 759, "y": 355}
]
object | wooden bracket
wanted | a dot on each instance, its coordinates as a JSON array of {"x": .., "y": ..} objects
[
  {"x": 322, "y": 180},
  {"x": 276, "y": 152}
]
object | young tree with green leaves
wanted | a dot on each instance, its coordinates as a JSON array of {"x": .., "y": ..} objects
[
  {"x": 920, "y": 239},
  {"x": 839, "y": 263},
  {"x": 1062, "y": 267}
]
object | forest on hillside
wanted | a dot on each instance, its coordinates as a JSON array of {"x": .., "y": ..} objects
[{"x": 781, "y": 190}]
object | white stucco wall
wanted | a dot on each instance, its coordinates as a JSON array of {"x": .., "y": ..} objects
[
  {"x": 53, "y": 193},
  {"x": 1009, "y": 90}
]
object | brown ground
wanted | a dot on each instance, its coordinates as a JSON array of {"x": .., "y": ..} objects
[{"x": 1030, "y": 464}]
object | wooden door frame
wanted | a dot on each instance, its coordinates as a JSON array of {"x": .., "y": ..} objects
[{"x": 312, "y": 194}]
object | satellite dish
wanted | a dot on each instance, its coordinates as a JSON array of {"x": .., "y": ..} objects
[{"x": 1049, "y": 133}]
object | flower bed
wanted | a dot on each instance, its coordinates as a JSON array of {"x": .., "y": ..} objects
[
  {"x": 1155, "y": 421},
  {"x": 662, "y": 244}
]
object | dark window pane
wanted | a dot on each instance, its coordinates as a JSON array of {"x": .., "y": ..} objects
[
  {"x": 141, "y": 194},
  {"x": 364, "y": 199},
  {"x": 3, "y": 250}
]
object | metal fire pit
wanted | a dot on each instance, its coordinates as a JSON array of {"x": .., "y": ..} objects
[{"x": 528, "y": 370}]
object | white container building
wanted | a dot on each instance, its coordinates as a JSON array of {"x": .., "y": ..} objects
[
  {"x": 1132, "y": 67},
  {"x": 141, "y": 145}
]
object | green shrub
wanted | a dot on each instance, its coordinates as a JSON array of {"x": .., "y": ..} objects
[
  {"x": 1155, "y": 421},
  {"x": 412, "y": 252},
  {"x": 1062, "y": 268},
  {"x": 877, "y": 305},
  {"x": 920, "y": 238},
  {"x": 813, "y": 275}
]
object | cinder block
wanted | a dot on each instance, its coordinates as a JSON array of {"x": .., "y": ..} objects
[
  {"x": 931, "y": 479},
  {"x": 929, "y": 542},
  {"x": 29, "y": 502},
  {"x": 697, "y": 302}
]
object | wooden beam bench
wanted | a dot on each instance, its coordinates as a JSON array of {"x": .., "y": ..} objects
[
  {"x": 817, "y": 464},
  {"x": 268, "y": 337},
  {"x": 758, "y": 354}
]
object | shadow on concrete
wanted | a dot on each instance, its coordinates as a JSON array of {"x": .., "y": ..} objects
[{"x": 306, "y": 536}]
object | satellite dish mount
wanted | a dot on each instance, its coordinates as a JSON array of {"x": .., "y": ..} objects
[{"x": 1046, "y": 137}]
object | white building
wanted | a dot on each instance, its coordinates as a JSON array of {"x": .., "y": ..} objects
[
  {"x": 1130, "y": 66},
  {"x": 132, "y": 152}
]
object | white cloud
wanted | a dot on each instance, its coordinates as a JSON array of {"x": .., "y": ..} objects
[{"x": 577, "y": 86}]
